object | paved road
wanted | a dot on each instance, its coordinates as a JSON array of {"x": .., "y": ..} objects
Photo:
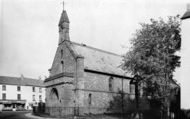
[{"x": 13, "y": 115}]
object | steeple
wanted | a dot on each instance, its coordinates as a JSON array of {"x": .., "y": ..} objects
[{"x": 63, "y": 27}]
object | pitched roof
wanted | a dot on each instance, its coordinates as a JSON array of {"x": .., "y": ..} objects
[
  {"x": 21, "y": 81},
  {"x": 99, "y": 60},
  {"x": 186, "y": 15}
]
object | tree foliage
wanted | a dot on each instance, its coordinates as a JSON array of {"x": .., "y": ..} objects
[{"x": 153, "y": 52}]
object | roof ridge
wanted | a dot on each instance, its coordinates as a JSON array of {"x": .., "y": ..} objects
[
  {"x": 84, "y": 45},
  {"x": 18, "y": 77},
  {"x": 9, "y": 80}
]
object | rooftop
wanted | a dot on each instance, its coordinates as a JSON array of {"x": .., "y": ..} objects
[
  {"x": 22, "y": 81},
  {"x": 99, "y": 60}
]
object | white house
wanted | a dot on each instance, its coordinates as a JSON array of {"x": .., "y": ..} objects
[
  {"x": 185, "y": 58},
  {"x": 20, "y": 92}
]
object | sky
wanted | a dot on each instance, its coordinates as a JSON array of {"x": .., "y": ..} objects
[{"x": 29, "y": 28}]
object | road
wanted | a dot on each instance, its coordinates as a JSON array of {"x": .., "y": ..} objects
[{"x": 13, "y": 115}]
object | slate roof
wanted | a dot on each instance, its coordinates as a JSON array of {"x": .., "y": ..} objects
[
  {"x": 99, "y": 60},
  {"x": 21, "y": 81},
  {"x": 186, "y": 15}
]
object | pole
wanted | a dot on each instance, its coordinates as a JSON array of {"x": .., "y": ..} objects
[
  {"x": 122, "y": 94},
  {"x": 137, "y": 95}
]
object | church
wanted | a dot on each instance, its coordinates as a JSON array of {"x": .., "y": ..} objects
[{"x": 83, "y": 79}]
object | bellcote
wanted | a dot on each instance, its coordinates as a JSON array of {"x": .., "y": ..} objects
[
  {"x": 63, "y": 27},
  {"x": 64, "y": 18}
]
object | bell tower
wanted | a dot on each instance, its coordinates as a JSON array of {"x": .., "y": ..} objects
[{"x": 63, "y": 27}]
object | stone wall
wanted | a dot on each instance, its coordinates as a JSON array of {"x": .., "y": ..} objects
[
  {"x": 97, "y": 85},
  {"x": 63, "y": 55},
  {"x": 63, "y": 62},
  {"x": 65, "y": 92}
]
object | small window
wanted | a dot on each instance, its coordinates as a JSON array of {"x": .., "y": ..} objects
[
  {"x": 18, "y": 88},
  {"x": 33, "y": 89},
  {"x": 4, "y": 87},
  {"x": 62, "y": 66},
  {"x": 18, "y": 96},
  {"x": 61, "y": 54},
  {"x": 4, "y": 96},
  {"x": 90, "y": 99},
  {"x": 40, "y": 98},
  {"x": 132, "y": 87},
  {"x": 40, "y": 90},
  {"x": 111, "y": 84},
  {"x": 33, "y": 97}
]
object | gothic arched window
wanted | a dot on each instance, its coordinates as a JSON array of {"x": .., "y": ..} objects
[
  {"x": 61, "y": 53},
  {"x": 110, "y": 84},
  {"x": 90, "y": 99}
]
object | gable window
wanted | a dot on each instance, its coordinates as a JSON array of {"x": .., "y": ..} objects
[
  {"x": 18, "y": 88},
  {"x": 4, "y": 96},
  {"x": 18, "y": 96},
  {"x": 4, "y": 87},
  {"x": 33, "y": 97},
  {"x": 62, "y": 66},
  {"x": 61, "y": 54},
  {"x": 33, "y": 89},
  {"x": 111, "y": 84}
]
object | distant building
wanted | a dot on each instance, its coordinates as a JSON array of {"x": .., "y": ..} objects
[
  {"x": 83, "y": 79},
  {"x": 185, "y": 58},
  {"x": 20, "y": 92}
]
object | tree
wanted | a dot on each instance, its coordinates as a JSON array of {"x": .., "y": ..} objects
[{"x": 153, "y": 54}]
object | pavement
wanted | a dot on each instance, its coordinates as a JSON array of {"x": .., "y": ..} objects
[
  {"x": 14, "y": 115},
  {"x": 30, "y": 115}
]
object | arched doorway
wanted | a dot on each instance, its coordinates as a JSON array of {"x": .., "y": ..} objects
[{"x": 54, "y": 94}]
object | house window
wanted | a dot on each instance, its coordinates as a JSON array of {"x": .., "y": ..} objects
[
  {"x": 4, "y": 87},
  {"x": 40, "y": 89},
  {"x": 33, "y": 89},
  {"x": 33, "y": 97},
  {"x": 111, "y": 84},
  {"x": 40, "y": 98},
  {"x": 4, "y": 96},
  {"x": 90, "y": 99},
  {"x": 18, "y": 96},
  {"x": 18, "y": 88}
]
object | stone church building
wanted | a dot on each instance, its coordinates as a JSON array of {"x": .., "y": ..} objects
[{"x": 83, "y": 79}]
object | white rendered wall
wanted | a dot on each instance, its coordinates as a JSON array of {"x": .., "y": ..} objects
[
  {"x": 26, "y": 93},
  {"x": 185, "y": 64}
]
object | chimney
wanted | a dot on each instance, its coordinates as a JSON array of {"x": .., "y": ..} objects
[{"x": 22, "y": 77}]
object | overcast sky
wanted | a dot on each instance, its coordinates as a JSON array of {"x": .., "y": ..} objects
[{"x": 29, "y": 28}]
